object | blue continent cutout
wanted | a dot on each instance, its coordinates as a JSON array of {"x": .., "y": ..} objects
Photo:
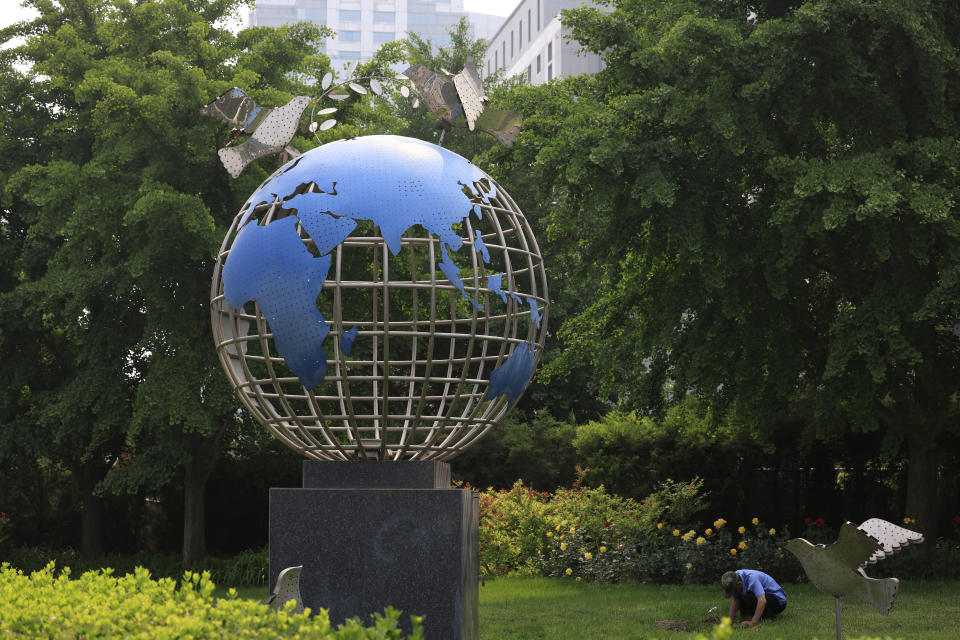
[
  {"x": 512, "y": 376},
  {"x": 422, "y": 184},
  {"x": 270, "y": 265}
]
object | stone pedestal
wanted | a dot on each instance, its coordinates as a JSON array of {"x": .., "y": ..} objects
[{"x": 376, "y": 534}]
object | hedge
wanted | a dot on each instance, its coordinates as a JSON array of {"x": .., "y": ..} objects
[{"x": 49, "y": 604}]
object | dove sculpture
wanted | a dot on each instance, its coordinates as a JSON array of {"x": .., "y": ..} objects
[
  {"x": 459, "y": 101},
  {"x": 270, "y": 129},
  {"x": 838, "y": 569},
  {"x": 287, "y": 588}
]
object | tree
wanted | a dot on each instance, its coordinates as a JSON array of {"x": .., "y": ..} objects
[
  {"x": 765, "y": 196},
  {"x": 114, "y": 207}
]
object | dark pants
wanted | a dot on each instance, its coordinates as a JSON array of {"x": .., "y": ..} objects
[{"x": 748, "y": 606}]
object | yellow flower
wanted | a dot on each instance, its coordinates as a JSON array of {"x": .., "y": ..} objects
[
  {"x": 676, "y": 532},
  {"x": 742, "y": 546},
  {"x": 564, "y": 522},
  {"x": 755, "y": 521},
  {"x": 562, "y": 536},
  {"x": 689, "y": 566},
  {"x": 603, "y": 549},
  {"x": 563, "y": 546},
  {"x": 572, "y": 530},
  {"x": 588, "y": 555},
  {"x": 568, "y": 571},
  {"x": 549, "y": 534},
  {"x": 772, "y": 531},
  {"x": 556, "y": 528},
  {"x": 708, "y": 531},
  {"x": 659, "y": 525},
  {"x": 741, "y": 529},
  {"x": 579, "y": 578},
  {"x": 701, "y": 540},
  {"x": 733, "y": 552}
]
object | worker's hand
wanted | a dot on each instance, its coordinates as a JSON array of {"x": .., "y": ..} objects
[{"x": 747, "y": 624}]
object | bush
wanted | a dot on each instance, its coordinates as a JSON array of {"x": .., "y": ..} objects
[
  {"x": 246, "y": 568},
  {"x": 98, "y": 604},
  {"x": 527, "y": 531}
]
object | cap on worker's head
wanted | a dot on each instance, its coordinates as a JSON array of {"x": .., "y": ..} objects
[{"x": 729, "y": 582}]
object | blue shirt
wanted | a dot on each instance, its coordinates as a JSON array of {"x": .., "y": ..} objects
[{"x": 758, "y": 583}]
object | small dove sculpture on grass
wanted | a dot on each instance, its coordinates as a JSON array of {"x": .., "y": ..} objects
[{"x": 838, "y": 569}]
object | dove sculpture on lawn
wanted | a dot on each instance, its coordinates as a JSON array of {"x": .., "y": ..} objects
[
  {"x": 270, "y": 129},
  {"x": 838, "y": 569}
]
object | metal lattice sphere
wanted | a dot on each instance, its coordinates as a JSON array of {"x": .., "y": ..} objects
[{"x": 379, "y": 297}]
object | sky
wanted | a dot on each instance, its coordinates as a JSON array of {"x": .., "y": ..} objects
[{"x": 15, "y": 13}]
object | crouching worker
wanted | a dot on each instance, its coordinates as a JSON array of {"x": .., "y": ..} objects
[{"x": 755, "y": 594}]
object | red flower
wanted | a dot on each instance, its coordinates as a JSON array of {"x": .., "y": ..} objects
[
  {"x": 807, "y": 520},
  {"x": 819, "y": 523},
  {"x": 956, "y": 518},
  {"x": 607, "y": 523}
]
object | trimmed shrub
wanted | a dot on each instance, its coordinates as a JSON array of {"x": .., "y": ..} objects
[
  {"x": 246, "y": 568},
  {"x": 98, "y": 604}
]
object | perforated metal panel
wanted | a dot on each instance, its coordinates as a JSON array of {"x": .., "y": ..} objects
[{"x": 367, "y": 294}]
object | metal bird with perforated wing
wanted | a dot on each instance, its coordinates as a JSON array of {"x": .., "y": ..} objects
[
  {"x": 837, "y": 569},
  {"x": 459, "y": 101},
  {"x": 270, "y": 129},
  {"x": 287, "y": 588}
]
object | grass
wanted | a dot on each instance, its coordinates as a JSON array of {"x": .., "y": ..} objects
[{"x": 551, "y": 609}]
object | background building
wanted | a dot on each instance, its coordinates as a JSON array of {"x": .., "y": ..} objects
[
  {"x": 363, "y": 25},
  {"x": 531, "y": 43}
]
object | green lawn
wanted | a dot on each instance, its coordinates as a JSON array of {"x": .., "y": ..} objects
[{"x": 542, "y": 608}]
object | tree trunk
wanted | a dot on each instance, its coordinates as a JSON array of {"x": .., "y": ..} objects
[
  {"x": 91, "y": 516},
  {"x": 194, "y": 527},
  {"x": 204, "y": 454},
  {"x": 922, "y": 489}
]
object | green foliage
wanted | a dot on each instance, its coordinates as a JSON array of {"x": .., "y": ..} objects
[
  {"x": 243, "y": 569},
  {"x": 99, "y": 604},
  {"x": 522, "y": 528},
  {"x": 761, "y": 203},
  {"x": 539, "y": 450}
]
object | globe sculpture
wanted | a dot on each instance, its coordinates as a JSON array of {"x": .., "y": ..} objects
[{"x": 379, "y": 298}]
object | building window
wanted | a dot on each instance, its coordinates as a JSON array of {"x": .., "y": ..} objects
[
  {"x": 384, "y": 16},
  {"x": 488, "y": 67},
  {"x": 379, "y": 37},
  {"x": 421, "y": 18},
  {"x": 528, "y": 25},
  {"x": 549, "y": 51},
  {"x": 504, "y": 56},
  {"x": 538, "y": 16},
  {"x": 529, "y": 74},
  {"x": 496, "y": 60},
  {"x": 512, "y": 53},
  {"x": 349, "y": 15},
  {"x": 348, "y": 55},
  {"x": 549, "y": 72},
  {"x": 520, "y": 35},
  {"x": 349, "y": 36},
  {"x": 538, "y": 64},
  {"x": 318, "y": 16}
]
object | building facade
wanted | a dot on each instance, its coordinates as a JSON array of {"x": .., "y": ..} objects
[
  {"x": 363, "y": 25},
  {"x": 531, "y": 43}
]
